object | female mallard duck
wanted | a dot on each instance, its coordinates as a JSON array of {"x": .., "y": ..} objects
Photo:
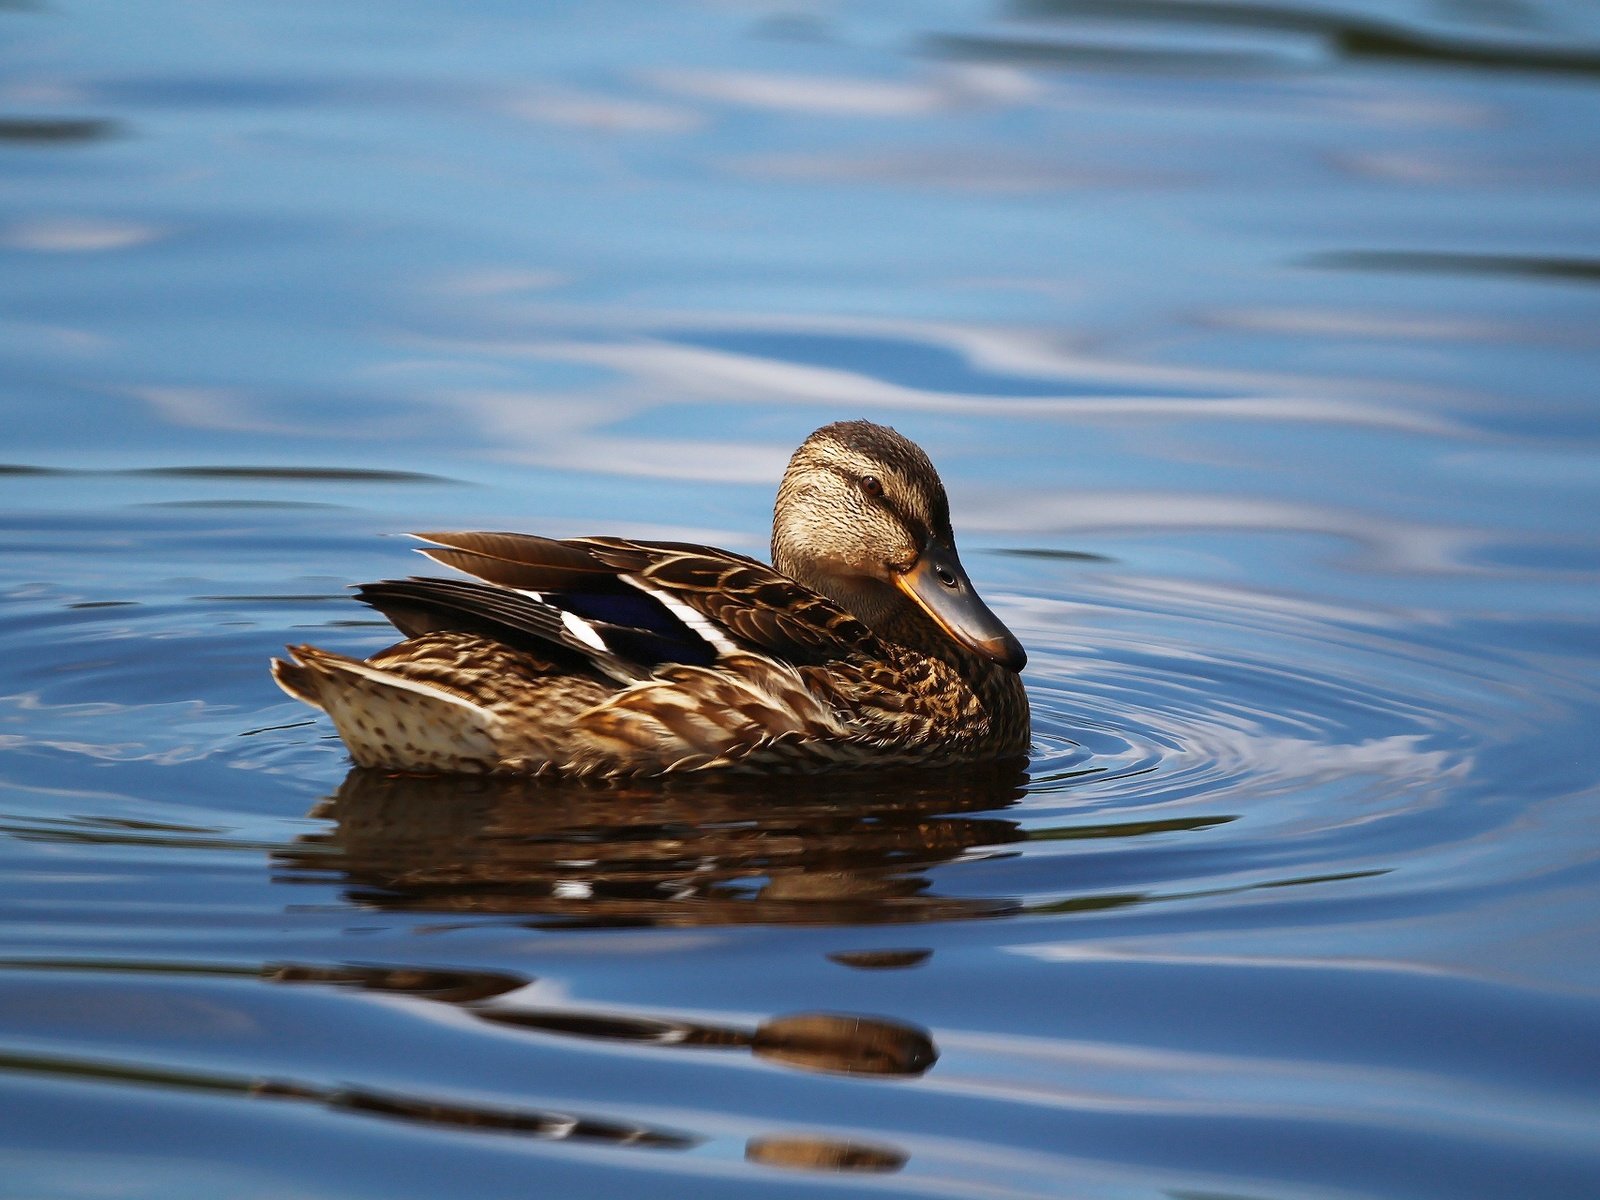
[{"x": 864, "y": 645}]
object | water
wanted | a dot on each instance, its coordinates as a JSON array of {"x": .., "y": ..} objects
[{"x": 1257, "y": 346}]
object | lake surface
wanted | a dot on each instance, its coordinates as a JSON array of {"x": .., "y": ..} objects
[{"x": 1258, "y": 347}]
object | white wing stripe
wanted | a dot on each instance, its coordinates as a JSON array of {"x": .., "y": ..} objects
[
  {"x": 707, "y": 631},
  {"x": 584, "y": 632}
]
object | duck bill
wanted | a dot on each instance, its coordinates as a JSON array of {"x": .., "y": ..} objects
[{"x": 940, "y": 587}]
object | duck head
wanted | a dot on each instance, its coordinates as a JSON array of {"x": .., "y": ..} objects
[{"x": 862, "y": 517}]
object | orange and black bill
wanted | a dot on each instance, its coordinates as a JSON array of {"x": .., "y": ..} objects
[{"x": 939, "y": 585}]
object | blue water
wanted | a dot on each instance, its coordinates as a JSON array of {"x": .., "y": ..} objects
[{"x": 1257, "y": 346}]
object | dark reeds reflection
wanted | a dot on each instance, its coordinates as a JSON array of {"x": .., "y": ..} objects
[
  {"x": 836, "y": 1043},
  {"x": 685, "y": 852},
  {"x": 842, "y": 1043},
  {"x": 823, "y": 1042},
  {"x": 55, "y": 131},
  {"x": 821, "y": 1154}
]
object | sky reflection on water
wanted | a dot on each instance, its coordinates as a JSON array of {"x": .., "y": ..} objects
[{"x": 1255, "y": 343}]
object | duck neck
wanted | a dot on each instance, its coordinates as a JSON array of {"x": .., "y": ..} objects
[{"x": 905, "y": 623}]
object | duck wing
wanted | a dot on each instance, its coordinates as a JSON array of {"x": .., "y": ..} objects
[
  {"x": 419, "y": 606},
  {"x": 658, "y": 602}
]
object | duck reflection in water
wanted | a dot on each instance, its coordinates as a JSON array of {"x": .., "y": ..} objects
[
  {"x": 838, "y": 1043},
  {"x": 835, "y": 1043},
  {"x": 701, "y": 852}
]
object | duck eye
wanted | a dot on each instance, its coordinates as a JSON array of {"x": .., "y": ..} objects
[{"x": 871, "y": 487}]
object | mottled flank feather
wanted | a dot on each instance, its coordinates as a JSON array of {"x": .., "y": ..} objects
[{"x": 607, "y": 657}]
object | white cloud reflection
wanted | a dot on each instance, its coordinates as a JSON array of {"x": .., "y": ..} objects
[
  {"x": 955, "y": 170},
  {"x": 1388, "y": 540},
  {"x": 659, "y": 372},
  {"x": 77, "y": 235},
  {"x": 569, "y": 432},
  {"x": 208, "y": 408},
  {"x": 832, "y": 95},
  {"x": 601, "y": 113},
  {"x": 63, "y": 339}
]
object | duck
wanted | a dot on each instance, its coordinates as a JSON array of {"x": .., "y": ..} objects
[{"x": 864, "y": 644}]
